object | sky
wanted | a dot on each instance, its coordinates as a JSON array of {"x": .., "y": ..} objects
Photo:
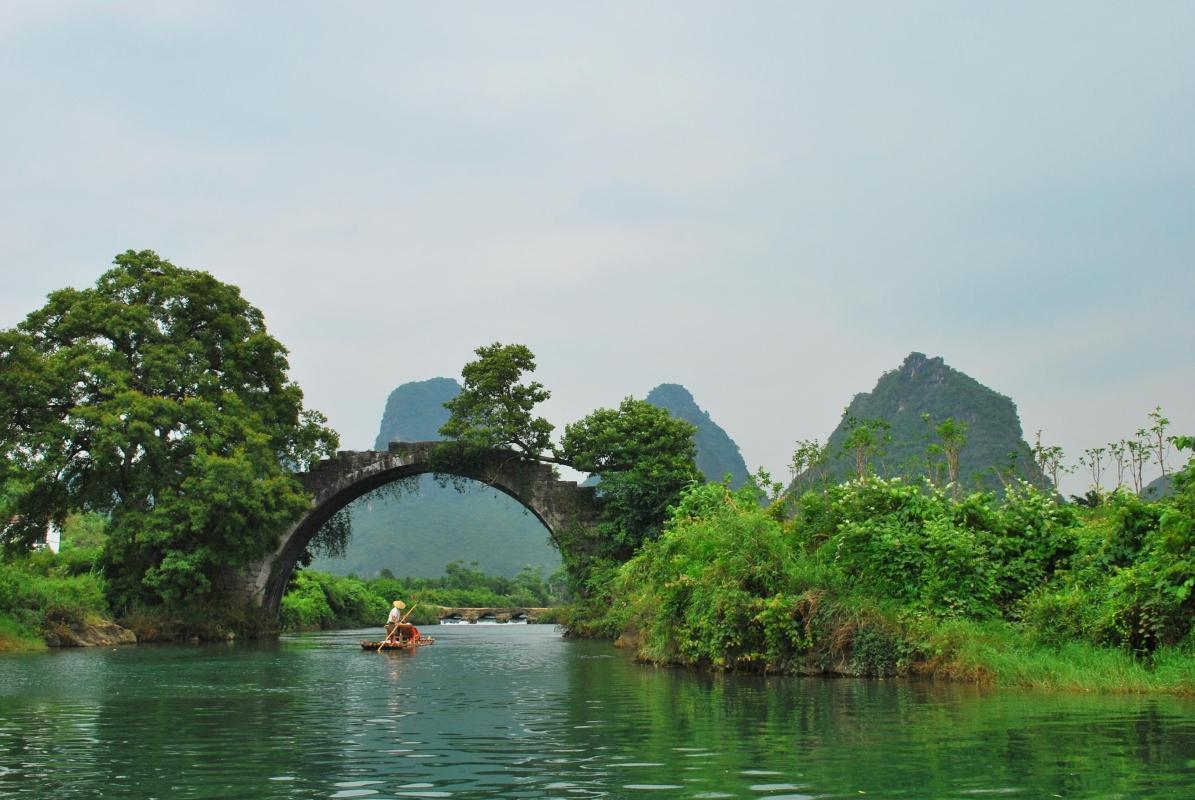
[{"x": 770, "y": 203}]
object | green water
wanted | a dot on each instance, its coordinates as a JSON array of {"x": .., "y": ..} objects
[{"x": 515, "y": 711}]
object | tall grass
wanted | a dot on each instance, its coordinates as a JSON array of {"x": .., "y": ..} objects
[
  {"x": 998, "y": 653},
  {"x": 45, "y": 590},
  {"x": 15, "y": 637}
]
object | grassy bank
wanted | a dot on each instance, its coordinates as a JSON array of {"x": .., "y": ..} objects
[
  {"x": 46, "y": 595},
  {"x": 1004, "y": 654},
  {"x": 43, "y": 591},
  {"x": 18, "y": 638},
  {"x": 883, "y": 578}
]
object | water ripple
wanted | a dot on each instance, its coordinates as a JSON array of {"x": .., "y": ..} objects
[{"x": 492, "y": 711}]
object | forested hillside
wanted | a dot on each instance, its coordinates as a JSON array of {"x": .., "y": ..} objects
[
  {"x": 717, "y": 454},
  {"x": 912, "y": 401}
]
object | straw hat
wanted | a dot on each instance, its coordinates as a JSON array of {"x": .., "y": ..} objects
[{"x": 399, "y": 604}]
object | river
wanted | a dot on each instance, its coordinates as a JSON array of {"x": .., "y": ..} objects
[{"x": 514, "y": 711}]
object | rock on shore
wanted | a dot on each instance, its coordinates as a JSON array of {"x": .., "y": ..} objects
[{"x": 90, "y": 634}]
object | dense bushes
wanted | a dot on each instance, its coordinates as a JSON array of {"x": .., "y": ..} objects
[
  {"x": 45, "y": 589},
  {"x": 911, "y": 543},
  {"x": 879, "y": 577},
  {"x": 46, "y": 595},
  {"x": 317, "y": 600},
  {"x": 716, "y": 587},
  {"x": 729, "y": 585},
  {"x": 1132, "y": 579}
]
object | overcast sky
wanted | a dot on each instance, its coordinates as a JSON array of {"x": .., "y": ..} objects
[{"x": 771, "y": 203}]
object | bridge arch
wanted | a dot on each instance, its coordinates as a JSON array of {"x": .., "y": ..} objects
[{"x": 334, "y": 483}]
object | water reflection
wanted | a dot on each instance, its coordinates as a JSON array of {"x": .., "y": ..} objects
[
  {"x": 499, "y": 711},
  {"x": 897, "y": 739}
]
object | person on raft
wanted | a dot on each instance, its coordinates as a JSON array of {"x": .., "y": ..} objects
[
  {"x": 398, "y": 630},
  {"x": 392, "y": 621}
]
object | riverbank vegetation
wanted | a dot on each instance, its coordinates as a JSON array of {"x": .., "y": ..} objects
[
  {"x": 156, "y": 409},
  {"x": 874, "y": 576},
  {"x": 157, "y": 401},
  {"x": 882, "y": 577},
  {"x": 63, "y": 597},
  {"x": 321, "y": 601},
  {"x": 43, "y": 592}
]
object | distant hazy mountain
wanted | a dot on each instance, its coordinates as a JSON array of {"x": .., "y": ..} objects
[
  {"x": 717, "y": 453},
  {"x": 415, "y": 411},
  {"x": 418, "y": 533},
  {"x": 924, "y": 385}
]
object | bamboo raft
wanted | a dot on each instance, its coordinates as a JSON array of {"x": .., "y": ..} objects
[{"x": 405, "y": 644}]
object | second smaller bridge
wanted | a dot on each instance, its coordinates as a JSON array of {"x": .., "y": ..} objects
[{"x": 530, "y": 614}]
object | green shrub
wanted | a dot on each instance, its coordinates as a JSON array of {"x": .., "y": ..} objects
[
  {"x": 879, "y": 577},
  {"x": 14, "y": 636},
  {"x": 595, "y": 613},
  {"x": 959, "y": 575},
  {"x": 1131, "y": 579},
  {"x": 46, "y": 590},
  {"x": 305, "y": 605},
  {"x": 876, "y": 652},
  {"x": 712, "y": 589},
  {"x": 1054, "y": 615},
  {"x": 1032, "y": 539},
  {"x": 351, "y": 601},
  {"x": 912, "y": 543},
  {"x": 22, "y": 589}
]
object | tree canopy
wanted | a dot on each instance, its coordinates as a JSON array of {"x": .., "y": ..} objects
[
  {"x": 643, "y": 454},
  {"x": 159, "y": 399},
  {"x": 645, "y": 458},
  {"x": 494, "y": 409}
]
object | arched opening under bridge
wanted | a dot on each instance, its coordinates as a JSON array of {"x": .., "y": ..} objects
[
  {"x": 430, "y": 527},
  {"x": 335, "y": 483}
]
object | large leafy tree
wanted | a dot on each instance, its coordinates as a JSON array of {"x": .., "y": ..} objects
[
  {"x": 643, "y": 455},
  {"x": 494, "y": 407},
  {"x": 645, "y": 458},
  {"x": 158, "y": 399}
]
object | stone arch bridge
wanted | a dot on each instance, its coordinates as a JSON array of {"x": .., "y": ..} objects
[{"x": 334, "y": 483}]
